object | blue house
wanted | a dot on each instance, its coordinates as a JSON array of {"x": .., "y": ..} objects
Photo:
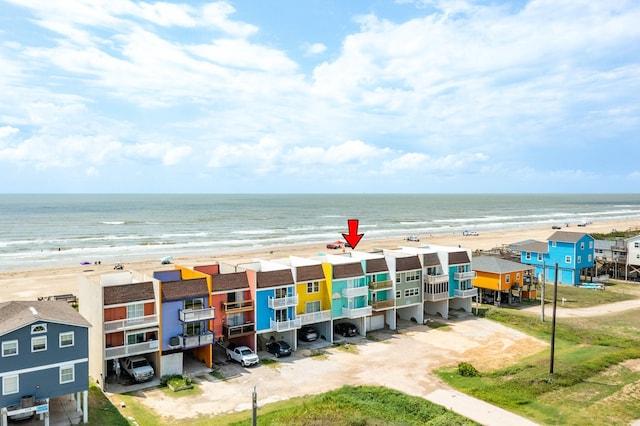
[
  {"x": 572, "y": 251},
  {"x": 45, "y": 354}
]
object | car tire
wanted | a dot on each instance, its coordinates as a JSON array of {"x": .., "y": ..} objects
[{"x": 277, "y": 355}]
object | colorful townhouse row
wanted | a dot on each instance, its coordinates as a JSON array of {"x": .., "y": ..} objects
[{"x": 176, "y": 315}]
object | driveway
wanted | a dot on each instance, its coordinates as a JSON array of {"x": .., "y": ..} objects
[{"x": 401, "y": 360}]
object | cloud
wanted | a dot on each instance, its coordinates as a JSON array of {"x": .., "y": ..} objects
[{"x": 315, "y": 49}]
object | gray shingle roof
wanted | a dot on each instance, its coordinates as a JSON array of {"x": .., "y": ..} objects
[
  {"x": 309, "y": 273},
  {"x": 496, "y": 265},
  {"x": 228, "y": 282},
  {"x": 127, "y": 293},
  {"x": 566, "y": 237},
  {"x": 184, "y": 289},
  {"x": 17, "y": 314},
  {"x": 408, "y": 263},
  {"x": 431, "y": 259},
  {"x": 347, "y": 270},
  {"x": 534, "y": 247},
  {"x": 458, "y": 257},
  {"x": 278, "y": 278},
  {"x": 376, "y": 265}
]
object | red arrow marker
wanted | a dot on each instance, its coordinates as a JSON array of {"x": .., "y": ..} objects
[{"x": 353, "y": 238}]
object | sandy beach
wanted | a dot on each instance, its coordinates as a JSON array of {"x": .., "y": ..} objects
[{"x": 31, "y": 284}]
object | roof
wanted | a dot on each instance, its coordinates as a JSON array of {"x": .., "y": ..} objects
[
  {"x": 566, "y": 237},
  {"x": 184, "y": 289},
  {"x": 497, "y": 265},
  {"x": 17, "y": 314},
  {"x": 347, "y": 270},
  {"x": 127, "y": 293},
  {"x": 309, "y": 273},
  {"x": 430, "y": 259},
  {"x": 534, "y": 247},
  {"x": 408, "y": 263},
  {"x": 458, "y": 257},
  {"x": 376, "y": 265},
  {"x": 228, "y": 282},
  {"x": 603, "y": 244},
  {"x": 277, "y": 278}
]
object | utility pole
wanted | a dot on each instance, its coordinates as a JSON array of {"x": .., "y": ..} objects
[
  {"x": 254, "y": 407},
  {"x": 544, "y": 271},
  {"x": 553, "y": 321}
]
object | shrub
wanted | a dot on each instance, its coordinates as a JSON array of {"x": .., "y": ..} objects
[{"x": 467, "y": 370}]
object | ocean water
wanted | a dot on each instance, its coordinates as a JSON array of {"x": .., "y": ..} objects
[{"x": 38, "y": 231}]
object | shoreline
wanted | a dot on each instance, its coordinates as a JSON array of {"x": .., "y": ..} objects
[{"x": 29, "y": 284}]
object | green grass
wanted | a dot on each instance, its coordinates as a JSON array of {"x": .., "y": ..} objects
[
  {"x": 101, "y": 410},
  {"x": 596, "y": 368},
  {"x": 576, "y": 297}
]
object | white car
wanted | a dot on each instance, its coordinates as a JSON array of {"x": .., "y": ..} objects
[
  {"x": 413, "y": 238},
  {"x": 139, "y": 368},
  {"x": 242, "y": 354}
]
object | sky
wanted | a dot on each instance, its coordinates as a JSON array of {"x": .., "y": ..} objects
[{"x": 319, "y": 96}]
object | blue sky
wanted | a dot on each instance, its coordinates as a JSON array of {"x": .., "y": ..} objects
[{"x": 289, "y": 96}]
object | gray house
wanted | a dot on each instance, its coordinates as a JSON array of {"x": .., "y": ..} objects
[{"x": 44, "y": 354}]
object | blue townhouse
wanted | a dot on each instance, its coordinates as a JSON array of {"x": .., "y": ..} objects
[
  {"x": 45, "y": 354},
  {"x": 572, "y": 251}
]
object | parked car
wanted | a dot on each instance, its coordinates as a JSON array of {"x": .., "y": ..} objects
[
  {"x": 334, "y": 246},
  {"x": 242, "y": 354},
  {"x": 413, "y": 238},
  {"x": 345, "y": 329},
  {"x": 278, "y": 348},
  {"x": 138, "y": 367},
  {"x": 556, "y": 227},
  {"x": 308, "y": 334}
]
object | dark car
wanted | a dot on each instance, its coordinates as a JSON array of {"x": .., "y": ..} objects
[
  {"x": 279, "y": 348},
  {"x": 345, "y": 329},
  {"x": 308, "y": 334},
  {"x": 556, "y": 227}
]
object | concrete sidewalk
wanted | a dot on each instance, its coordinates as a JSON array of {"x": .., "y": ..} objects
[{"x": 476, "y": 410}]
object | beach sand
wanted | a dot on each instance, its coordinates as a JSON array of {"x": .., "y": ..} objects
[{"x": 31, "y": 284}]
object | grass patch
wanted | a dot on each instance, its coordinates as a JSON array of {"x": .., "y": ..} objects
[
  {"x": 101, "y": 410},
  {"x": 589, "y": 374},
  {"x": 348, "y": 348},
  {"x": 437, "y": 325},
  {"x": 269, "y": 362},
  {"x": 217, "y": 374},
  {"x": 354, "y": 405},
  {"x": 576, "y": 297}
]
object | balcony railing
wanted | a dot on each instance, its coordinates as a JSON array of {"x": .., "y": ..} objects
[
  {"x": 286, "y": 325},
  {"x": 129, "y": 350},
  {"x": 383, "y": 304},
  {"x": 460, "y": 276},
  {"x": 191, "y": 315},
  {"x": 245, "y": 329},
  {"x": 357, "y": 312},
  {"x": 189, "y": 342},
  {"x": 380, "y": 285},
  {"x": 314, "y": 317},
  {"x": 437, "y": 278},
  {"x": 130, "y": 323},
  {"x": 466, "y": 293},
  {"x": 239, "y": 306},
  {"x": 433, "y": 297},
  {"x": 355, "y": 291},
  {"x": 282, "y": 302}
]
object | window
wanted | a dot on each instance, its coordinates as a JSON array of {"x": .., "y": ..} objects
[
  {"x": 10, "y": 348},
  {"x": 413, "y": 276},
  {"x": 582, "y": 245},
  {"x": 193, "y": 328},
  {"x": 636, "y": 244},
  {"x": 39, "y": 344},
  {"x": 579, "y": 259},
  {"x": 527, "y": 255},
  {"x": 10, "y": 384},
  {"x": 553, "y": 244},
  {"x": 194, "y": 304},
  {"x": 539, "y": 257},
  {"x": 507, "y": 278},
  {"x": 398, "y": 278},
  {"x": 66, "y": 339},
  {"x": 281, "y": 315},
  {"x": 135, "y": 310},
  {"x": 590, "y": 244},
  {"x": 312, "y": 307},
  {"x": 281, "y": 293},
  {"x": 38, "y": 328},
  {"x": 313, "y": 287},
  {"x": 589, "y": 258},
  {"x": 567, "y": 259},
  {"x": 409, "y": 292},
  {"x": 67, "y": 374},
  {"x": 517, "y": 275},
  {"x": 134, "y": 338},
  {"x": 398, "y": 294}
]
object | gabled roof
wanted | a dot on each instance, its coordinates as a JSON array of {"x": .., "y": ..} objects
[
  {"x": 17, "y": 314},
  {"x": 430, "y": 259},
  {"x": 277, "y": 278},
  {"x": 458, "y": 257},
  {"x": 127, "y": 293},
  {"x": 408, "y": 263},
  {"x": 309, "y": 273},
  {"x": 184, "y": 289},
  {"x": 566, "y": 236},
  {"x": 376, "y": 265},
  {"x": 534, "y": 247},
  {"x": 228, "y": 282},
  {"x": 347, "y": 270},
  {"x": 497, "y": 265}
]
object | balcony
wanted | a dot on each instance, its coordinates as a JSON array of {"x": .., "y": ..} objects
[
  {"x": 381, "y": 305},
  {"x": 381, "y": 285},
  {"x": 286, "y": 325},
  {"x": 314, "y": 317},
  {"x": 130, "y": 323},
  {"x": 236, "y": 307},
  {"x": 191, "y": 315},
  {"x": 434, "y": 297},
  {"x": 466, "y": 293},
  {"x": 355, "y": 292},
  {"x": 130, "y": 350},
  {"x": 436, "y": 279},
  {"x": 245, "y": 329},
  {"x": 357, "y": 312},
  {"x": 282, "y": 302},
  {"x": 461, "y": 276},
  {"x": 198, "y": 340}
]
